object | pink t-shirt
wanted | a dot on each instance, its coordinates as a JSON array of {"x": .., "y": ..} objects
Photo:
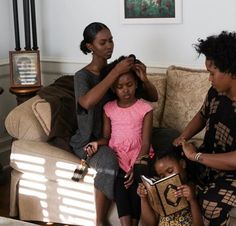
[{"x": 126, "y": 130}]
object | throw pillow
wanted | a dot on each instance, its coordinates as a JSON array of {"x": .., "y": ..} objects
[
  {"x": 159, "y": 81},
  {"x": 186, "y": 91},
  {"x": 22, "y": 124}
]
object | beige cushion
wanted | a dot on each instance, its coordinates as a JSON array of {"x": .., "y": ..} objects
[
  {"x": 21, "y": 122},
  {"x": 42, "y": 111},
  {"x": 159, "y": 81},
  {"x": 186, "y": 90},
  {"x": 48, "y": 159}
]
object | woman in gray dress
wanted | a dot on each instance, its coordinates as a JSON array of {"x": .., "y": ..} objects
[{"x": 91, "y": 91}]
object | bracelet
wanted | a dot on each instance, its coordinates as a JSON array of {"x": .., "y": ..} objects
[{"x": 197, "y": 156}]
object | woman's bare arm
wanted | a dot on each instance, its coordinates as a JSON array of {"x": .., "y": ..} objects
[
  {"x": 106, "y": 131},
  {"x": 221, "y": 161},
  {"x": 94, "y": 95},
  {"x": 146, "y": 134}
]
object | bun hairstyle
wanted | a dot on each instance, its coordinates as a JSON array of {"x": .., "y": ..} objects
[{"x": 89, "y": 35}]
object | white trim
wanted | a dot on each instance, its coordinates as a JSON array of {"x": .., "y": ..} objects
[
  {"x": 70, "y": 66},
  {"x": 4, "y": 62},
  {"x": 4, "y": 68},
  {"x": 58, "y": 65}
]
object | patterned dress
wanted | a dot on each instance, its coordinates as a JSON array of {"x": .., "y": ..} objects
[
  {"x": 217, "y": 192},
  {"x": 181, "y": 218}
]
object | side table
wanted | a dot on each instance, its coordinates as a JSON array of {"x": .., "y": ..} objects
[{"x": 23, "y": 94}]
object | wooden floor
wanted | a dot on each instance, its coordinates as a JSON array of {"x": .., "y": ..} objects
[{"x": 5, "y": 197}]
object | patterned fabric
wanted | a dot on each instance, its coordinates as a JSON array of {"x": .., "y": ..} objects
[
  {"x": 126, "y": 132},
  {"x": 185, "y": 92},
  {"x": 21, "y": 124},
  {"x": 218, "y": 195},
  {"x": 159, "y": 81},
  {"x": 181, "y": 218}
]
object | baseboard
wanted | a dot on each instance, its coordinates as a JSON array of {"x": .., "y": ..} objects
[{"x": 5, "y": 150}]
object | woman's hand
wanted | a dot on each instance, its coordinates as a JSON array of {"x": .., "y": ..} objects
[
  {"x": 123, "y": 66},
  {"x": 129, "y": 179},
  {"x": 140, "y": 70},
  {"x": 189, "y": 150},
  {"x": 91, "y": 148},
  {"x": 185, "y": 191},
  {"x": 178, "y": 141},
  {"x": 141, "y": 190}
]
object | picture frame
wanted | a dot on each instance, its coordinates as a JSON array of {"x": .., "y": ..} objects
[
  {"x": 25, "y": 69},
  {"x": 151, "y": 11}
]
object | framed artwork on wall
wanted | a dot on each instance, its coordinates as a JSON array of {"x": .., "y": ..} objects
[
  {"x": 151, "y": 11},
  {"x": 25, "y": 69}
]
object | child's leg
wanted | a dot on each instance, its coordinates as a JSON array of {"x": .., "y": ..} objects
[
  {"x": 142, "y": 167},
  {"x": 135, "y": 204},
  {"x": 102, "y": 207},
  {"x": 122, "y": 200}
]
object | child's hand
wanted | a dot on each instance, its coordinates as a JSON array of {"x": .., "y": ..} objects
[
  {"x": 142, "y": 191},
  {"x": 185, "y": 191},
  {"x": 189, "y": 150},
  {"x": 129, "y": 179},
  {"x": 91, "y": 148}
]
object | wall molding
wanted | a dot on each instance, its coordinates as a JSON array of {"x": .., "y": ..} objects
[
  {"x": 4, "y": 68},
  {"x": 4, "y": 62},
  {"x": 70, "y": 66},
  {"x": 57, "y": 65}
]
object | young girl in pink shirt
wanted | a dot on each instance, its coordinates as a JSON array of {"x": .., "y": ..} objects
[{"x": 127, "y": 130}]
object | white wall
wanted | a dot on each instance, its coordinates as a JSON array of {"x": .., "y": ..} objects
[
  {"x": 7, "y": 101},
  {"x": 6, "y": 28},
  {"x": 60, "y": 24}
]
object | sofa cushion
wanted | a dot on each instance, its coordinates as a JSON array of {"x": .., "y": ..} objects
[
  {"x": 185, "y": 93},
  {"x": 42, "y": 111},
  {"x": 21, "y": 122},
  {"x": 43, "y": 158},
  {"x": 159, "y": 81}
]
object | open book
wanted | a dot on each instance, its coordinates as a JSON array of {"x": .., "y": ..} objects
[{"x": 161, "y": 194}]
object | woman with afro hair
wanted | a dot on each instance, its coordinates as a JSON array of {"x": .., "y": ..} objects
[{"x": 216, "y": 158}]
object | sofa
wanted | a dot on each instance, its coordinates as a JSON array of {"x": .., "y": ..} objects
[{"x": 42, "y": 188}]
